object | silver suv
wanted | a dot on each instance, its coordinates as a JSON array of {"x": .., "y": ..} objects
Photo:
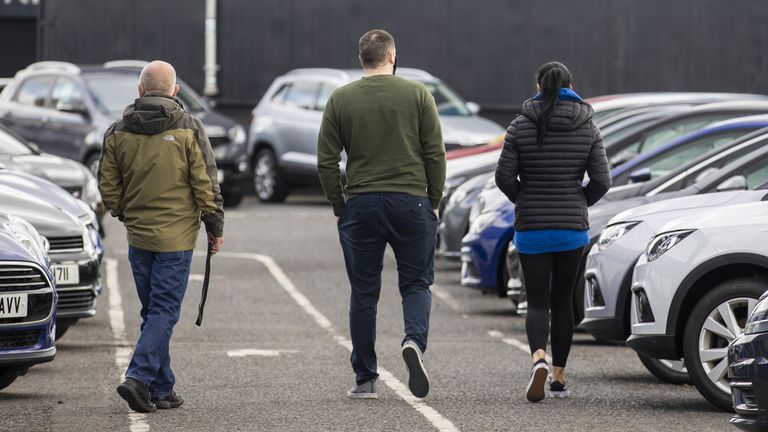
[{"x": 282, "y": 143}]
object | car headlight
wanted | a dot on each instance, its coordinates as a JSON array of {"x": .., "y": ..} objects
[
  {"x": 91, "y": 194},
  {"x": 237, "y": 135},
  {"x": 758, "y": 321},
  {"x": 483, "y": 221},
  {"x": 452, "y": 183},
  {"x": 664, "y": 242},
  {"x": 458, "y": 197},
  {"x": 27, "y": 235},
  {"x": 612, "y": 233}
]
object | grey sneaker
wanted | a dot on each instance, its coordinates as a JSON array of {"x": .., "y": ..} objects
[
  {"x": 366, "y": 390},
  {"x": 535, "y": 390},
  {"x": 418, "y": 381}
]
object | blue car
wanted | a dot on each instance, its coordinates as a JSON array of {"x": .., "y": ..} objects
[
  {"x": 27, "y": 300},
  {"x": 484, "y": 248}
]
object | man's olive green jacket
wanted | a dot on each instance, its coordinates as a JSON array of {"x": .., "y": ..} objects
[{"x": 158, "y": 175}]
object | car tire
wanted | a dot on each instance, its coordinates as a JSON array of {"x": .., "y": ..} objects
[
  {"x": 708, "y": 330},
  {"x": 666, "y": 370},
  {"x": 61, "y": 330},
  {"x": 8, "y": 376},
  {"x": 268, "y": 179},
  {"x": 232, "y": 199},
  {"x": 92, "y": 162}
]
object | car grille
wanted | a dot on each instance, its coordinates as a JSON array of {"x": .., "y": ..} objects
[
  {"x": 38, "y": 308},
  {"x": 66, "y": 244},
  {"x": 745, "y": 402},
  {"x": 19, "y": 339},
  {"x": 218, "y": 141},
  {"x": 17, "y": 278},
  {"x": 76, "y": 300}
]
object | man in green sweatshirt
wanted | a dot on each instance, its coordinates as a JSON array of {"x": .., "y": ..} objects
[{"x": 390, "y": 131}]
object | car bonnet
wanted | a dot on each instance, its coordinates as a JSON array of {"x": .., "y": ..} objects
[
  {"x": 42, "y": 188},
  {"x": 750, "y": 216},
  {"x": 47, "y": 219}
]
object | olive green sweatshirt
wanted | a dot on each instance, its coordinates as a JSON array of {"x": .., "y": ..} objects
[{"x": 390, "y": 130}]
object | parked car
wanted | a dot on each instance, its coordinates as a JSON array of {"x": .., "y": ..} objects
[
  {"x": 748, "y": 371},
  {"x": 27, "y": 300},
  {"x": 611, "y": 260},
  {"x": 455, "y": 217},
  {"x": 694, "y": 288},
  {"x": 282, "y": 141},
  {"x": 671, "y": 155},
  {"x": 65, "y": 109},
  {"x": 73, "y": 253},
  {"x": 611, "y": 105},
  {"x": 20, "y": 155},
  {"x": 622, "y": 147}
]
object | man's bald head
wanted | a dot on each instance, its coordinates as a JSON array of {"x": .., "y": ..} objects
[{"x": 158, "y": 77}]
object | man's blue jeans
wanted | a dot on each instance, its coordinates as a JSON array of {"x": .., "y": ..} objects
[
  {"x": 408, "y": 224},
  {"x": 161, "y": 280}
]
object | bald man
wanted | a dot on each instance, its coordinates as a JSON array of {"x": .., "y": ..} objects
[{"x": 158, "y": 176}]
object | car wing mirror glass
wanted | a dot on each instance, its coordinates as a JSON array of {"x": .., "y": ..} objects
[
  {"x": 738, "y": 182},
  {"x": 473, "y": 107},
  {"x": 641, "y": 175}
]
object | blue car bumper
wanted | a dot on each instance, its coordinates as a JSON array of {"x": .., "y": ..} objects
[
  {"x": 24, "y": 346},
  {"x": 748, "y": 371},
  {"x": 484, "y": 253}
]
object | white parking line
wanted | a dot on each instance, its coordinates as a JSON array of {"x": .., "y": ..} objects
[
  {"x": 136, "y": 421},
  {"x": 258, "y": 352},
  {"x": 440, "y": 423},
  {"x": 446, "y": 297},
  {"x": 495, "y": 334}
]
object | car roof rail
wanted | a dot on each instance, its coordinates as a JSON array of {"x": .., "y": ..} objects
[
  {"x": 125, "y": 63},
  {"x": 53, "y": 65},
  {"x": 328, "y": 72}
]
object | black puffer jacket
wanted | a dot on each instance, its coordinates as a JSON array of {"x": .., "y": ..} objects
[{"x": 548, "y": 193}]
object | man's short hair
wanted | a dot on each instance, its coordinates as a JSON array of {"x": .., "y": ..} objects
[
  {"x": 158, "y": 77},
  {"x": 374, "y": 46}
]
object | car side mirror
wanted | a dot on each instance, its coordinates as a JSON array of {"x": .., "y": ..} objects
[
  {"x": 705, "y": 173},
  {"x": 738, "y": 182},
  {"x": 641, "y": 175},
  {"x": 74, "y": 107},
  {"x": 473, "y": 107},
  {"x": 623, "y": 158}
]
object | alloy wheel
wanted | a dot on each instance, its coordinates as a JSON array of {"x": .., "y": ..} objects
[
  {"x": 724, "y": 324},
  {"x": 265, "y": 175}
]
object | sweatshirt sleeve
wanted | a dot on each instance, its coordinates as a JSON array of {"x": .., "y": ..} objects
[
  {"x": 110, "y": 178},
  {"x": 204, "y": 182},
  {"x": 508, "y": 168},
  {"x": 432, "y": 149},
  {"x": 597, "y": 169},
  {"x": 329, "y": 148}
]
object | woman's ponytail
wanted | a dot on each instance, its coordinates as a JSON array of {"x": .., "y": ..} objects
[{"x": 551, "y": 77}]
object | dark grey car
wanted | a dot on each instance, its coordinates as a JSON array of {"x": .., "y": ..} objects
[{"x": 65, "y": 109}]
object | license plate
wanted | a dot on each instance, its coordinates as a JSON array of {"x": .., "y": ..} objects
[
  {"x": 66, "y": 274},
  {"x": 13, "y": 305}
]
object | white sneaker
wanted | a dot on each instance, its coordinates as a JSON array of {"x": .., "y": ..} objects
[
  {"x": 535, "y": 391},
  {"x": 418, "y": 381}
]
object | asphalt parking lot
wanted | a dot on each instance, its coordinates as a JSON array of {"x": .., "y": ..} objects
[{"x": 273, "y": 352}]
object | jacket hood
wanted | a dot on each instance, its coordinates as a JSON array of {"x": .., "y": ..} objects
[
  {"x": 567, "y": 115},
  {"x": 152, "y": 114}
]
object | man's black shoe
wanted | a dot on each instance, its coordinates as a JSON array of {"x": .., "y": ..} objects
[
  {"x": 167, "y": 402},
  {"x": 137, "y": 396}
]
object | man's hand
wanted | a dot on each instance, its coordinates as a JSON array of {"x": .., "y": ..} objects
[{"x": 216, "y": 243}]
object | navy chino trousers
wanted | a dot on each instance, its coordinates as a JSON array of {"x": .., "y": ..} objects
[{"x": 409, "y": 225}]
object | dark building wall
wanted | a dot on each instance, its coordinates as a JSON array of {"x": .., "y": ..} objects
[{"x": 487, "y": 50}]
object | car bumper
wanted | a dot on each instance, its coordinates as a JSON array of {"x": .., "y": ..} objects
[
  {"x": 233, "y": 175},
  {"x": 79, "y": 300},
  {"x": 27, "y": 345},
  {"x": 748, "y": 371},
  {"x": 655, "y": 346},
  {"x": 605, "y": 329}
]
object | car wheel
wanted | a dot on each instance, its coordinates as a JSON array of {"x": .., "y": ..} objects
[
  {"x": 716, "y": 320},
  {"x": 670, "y": 371},
  {"x": 61, "y": 330},
  {"x": 8, "y": 376},
  {"x": 267, "y": 179},
  {"x": 232, "y": 199},
  {"x": 92, "y": 162}
]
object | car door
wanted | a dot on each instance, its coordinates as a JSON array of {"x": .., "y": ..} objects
[
  {"x": 298, "y": 123},
  {"x": 28, "y": 113},
  {"x": 69, "y": 119}
]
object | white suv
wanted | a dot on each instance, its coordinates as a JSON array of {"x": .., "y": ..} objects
[
  {"x": 282, "y": 139},
  {"x": 694, "y": 287}
]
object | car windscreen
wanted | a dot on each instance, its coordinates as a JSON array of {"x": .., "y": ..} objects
[
  {"x": 447, "y": 101},
  {"x": 112, "y": 93},
  {"x": 12, "y": 146}
]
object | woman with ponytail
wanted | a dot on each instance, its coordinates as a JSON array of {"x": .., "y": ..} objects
[{"x": 547, "y": 151}]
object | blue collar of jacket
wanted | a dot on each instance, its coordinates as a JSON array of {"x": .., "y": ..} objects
[{"x": 565, "y": 94}]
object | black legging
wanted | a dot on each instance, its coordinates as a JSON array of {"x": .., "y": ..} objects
[{"x": 549, "y": 282}]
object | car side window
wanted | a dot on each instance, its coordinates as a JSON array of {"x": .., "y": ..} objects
[
  {"x": 35, "y": 91},
  {"x": 279, "y": 96},
  {"x": 326, "y": 90},
  {"x": 756, "y": 174},
  {"x": 303, "y": 94},
  {"x": 667, "y": 133},
  {"x": 66, "y": 94}
]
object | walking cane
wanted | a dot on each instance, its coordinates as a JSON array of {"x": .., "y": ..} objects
[{"x": 207, "y": 278}]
